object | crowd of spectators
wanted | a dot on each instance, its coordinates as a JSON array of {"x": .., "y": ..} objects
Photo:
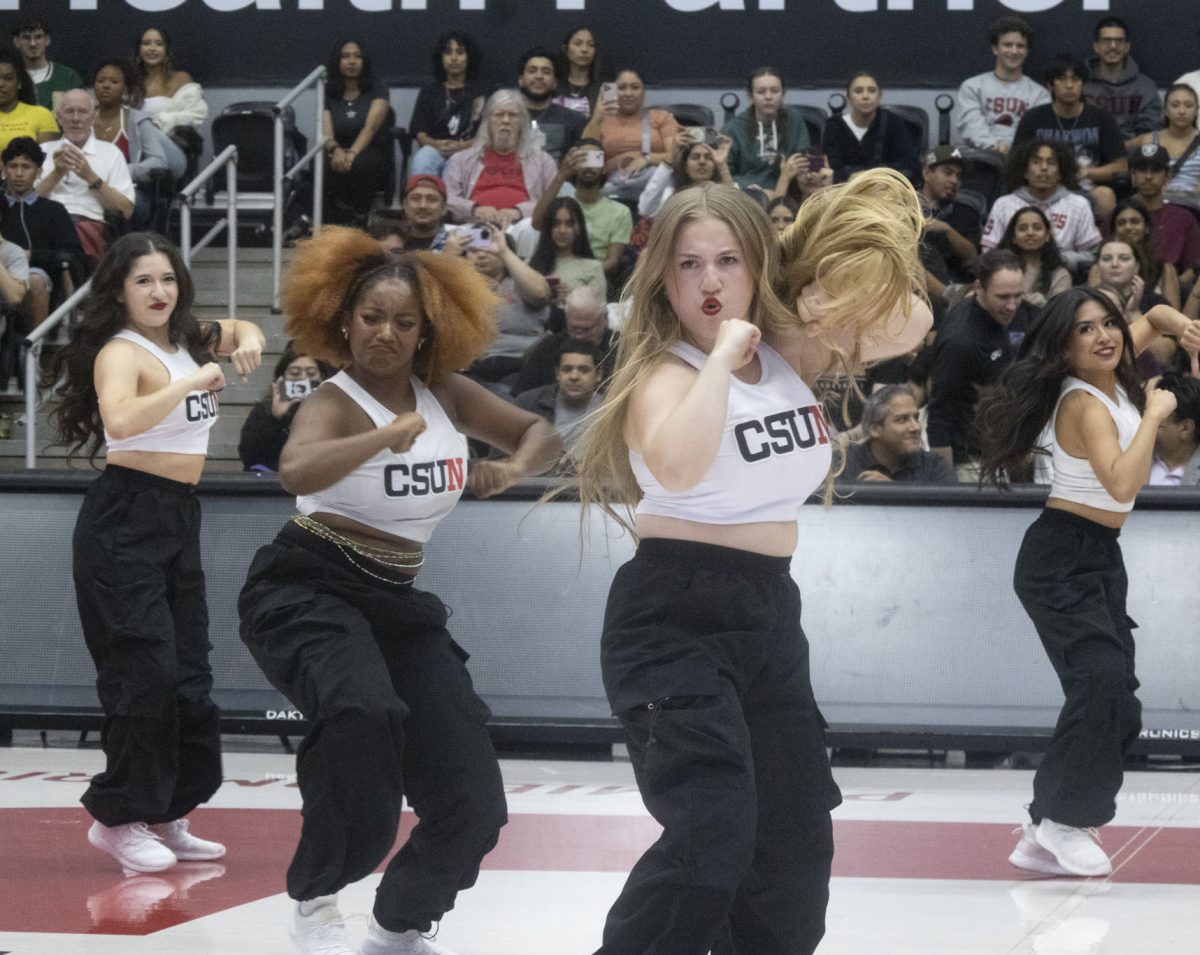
[{"x": 550, "y": 185}]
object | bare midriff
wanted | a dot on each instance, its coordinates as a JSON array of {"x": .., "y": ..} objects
[
  {"x": 185, "y": 468},
  {"x": 1114, "y": 519},
  {"x": 772, "y": 538},
  {"x": 369, "y": 536}
]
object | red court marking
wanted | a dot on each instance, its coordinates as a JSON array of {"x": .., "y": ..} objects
[{"x": 51, "y": 880}]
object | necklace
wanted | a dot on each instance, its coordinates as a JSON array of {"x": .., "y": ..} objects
[
  {"x": 385, "y": 556},
  {"x": 104, "y": 130},
  {"x": 1074, "y": 122}
]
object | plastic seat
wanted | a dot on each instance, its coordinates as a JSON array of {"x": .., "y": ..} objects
[
  {"x": 918, "y": 122},
  {"x": 815, "y": 119},
  {"x": 985, "y": 173},
  {"x": 688, "y": 114}
]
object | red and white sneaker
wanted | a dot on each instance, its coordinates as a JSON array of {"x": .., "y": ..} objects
[{"x": 187, "y": 848}]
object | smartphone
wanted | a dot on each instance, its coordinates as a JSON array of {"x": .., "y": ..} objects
[
  {"x": 294, "y": 389},
  {"x": 592, "y": 159},
  {"x": 480, "y": 236},
  {"x": 703, "y": 134},
  {"x": 816, "y": 160},
  {"x": 608, "y": 92},
  {"x": 552, "y": 281}
]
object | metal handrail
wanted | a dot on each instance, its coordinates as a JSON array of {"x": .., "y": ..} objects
[
  {"x": 227, "y": 159},
  {"x": 33, "y": 350},
  {"x": 36, "y": 338},
  {"x": 315, "y": 78}
]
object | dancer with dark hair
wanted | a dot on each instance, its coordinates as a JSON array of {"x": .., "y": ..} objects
[
  {"x": 377, "y": 458},
  {"x": 703, "y": 657},
  {"x": 140, "y": 374},
  {"x": 1074, "y": 391}
]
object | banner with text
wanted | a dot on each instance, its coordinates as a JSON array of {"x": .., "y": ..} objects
[{"x": 702, "y": 43}]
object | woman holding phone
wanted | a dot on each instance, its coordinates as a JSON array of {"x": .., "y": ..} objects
[
  {"x": 269, "y": 422},
  {"x": 696, "y": 160},
  {"x": 635, "y": 139}
]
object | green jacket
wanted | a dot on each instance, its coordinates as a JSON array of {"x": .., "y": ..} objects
[{"x": 745, "y": 163}]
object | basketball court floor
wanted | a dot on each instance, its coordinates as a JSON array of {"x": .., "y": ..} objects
[{"x": 920, "y": 869}]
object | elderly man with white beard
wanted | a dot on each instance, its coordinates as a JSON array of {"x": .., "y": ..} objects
[{"x": 500, "y": 178}]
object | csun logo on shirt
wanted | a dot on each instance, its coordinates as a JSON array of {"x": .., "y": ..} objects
[
  {"x": 424, "y": 478},
  {"x": 784, "y": 432},
  {"x": 201, "y": 406}
]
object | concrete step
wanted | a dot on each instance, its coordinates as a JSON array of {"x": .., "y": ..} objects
[{"x": 254, "y": 277}]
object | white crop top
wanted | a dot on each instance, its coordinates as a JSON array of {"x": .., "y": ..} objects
[
  {"x": 185, "y": 428},
  {"x": 1074, "y": 480},
  {"x": 404, "y": 495},
  {"x": 774, "y": 452}
]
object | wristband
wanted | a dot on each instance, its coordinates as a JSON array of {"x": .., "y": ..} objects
[{"x": 96, "y": 183}]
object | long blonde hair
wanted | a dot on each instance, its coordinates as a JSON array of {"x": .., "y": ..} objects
[
  {"x": 859, "y": 242},
  {"x": 601, "y": 457}
]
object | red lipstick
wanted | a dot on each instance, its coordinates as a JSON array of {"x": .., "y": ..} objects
[{"x": 711, "y": 306}]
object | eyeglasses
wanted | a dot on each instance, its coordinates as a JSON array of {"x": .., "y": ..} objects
[{"x": 1111, "y": 41}]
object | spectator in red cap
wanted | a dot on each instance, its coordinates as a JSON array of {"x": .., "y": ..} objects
[{"x": 425, "y": 212}]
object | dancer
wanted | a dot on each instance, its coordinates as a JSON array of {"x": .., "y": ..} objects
[
  {"x": 140, "y": 374},
  {"x": 711, "y": 429},
  {"x": 1075, "y": 377},
  {"x": 329, "y": 610}
]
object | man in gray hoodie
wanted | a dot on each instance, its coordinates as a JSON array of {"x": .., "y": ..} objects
[{"x": 1117, "y": 86}]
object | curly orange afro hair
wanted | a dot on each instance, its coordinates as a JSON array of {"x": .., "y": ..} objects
[{"x": 330, "y": 272}]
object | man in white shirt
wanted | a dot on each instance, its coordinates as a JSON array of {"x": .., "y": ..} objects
[{"x": 87, "y": 175}]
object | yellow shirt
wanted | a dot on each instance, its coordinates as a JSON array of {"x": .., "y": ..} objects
[{"x": 26, "y": 120}]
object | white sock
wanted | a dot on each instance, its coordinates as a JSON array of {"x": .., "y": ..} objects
[
  {"x": 384, "y": 935},
  {"x": 308, "y": 907}
]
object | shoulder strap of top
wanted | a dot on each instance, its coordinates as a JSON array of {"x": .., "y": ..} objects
[
  {"x": 128, "y": 335},
  {"x": 1177, "y": 164},
  {"x": 877, "y": 149},
  {"x": 689, "y": 353},
  {"x": 1076, "y": 384},
  {"x": 361, "y": 397}
]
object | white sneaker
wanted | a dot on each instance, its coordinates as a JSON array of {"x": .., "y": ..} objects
[
  {"x": 323, "y": 930},
  {"x": 1030, "y": 855},
  {"x": 382, "y": 942},
  {"x": 133, "y": 845},
  {"x": 187, "y": 848},
  {"x": 1076, "y": 850}
]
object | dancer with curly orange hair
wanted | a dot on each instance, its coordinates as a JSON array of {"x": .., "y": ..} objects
[{"x": 376, "y": 458}]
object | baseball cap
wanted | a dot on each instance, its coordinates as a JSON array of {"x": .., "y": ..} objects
[
  {"x": 946, "y": 154},
  {"x": 1150, "y": 154},
  {"x": 428, "y": 181}
]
